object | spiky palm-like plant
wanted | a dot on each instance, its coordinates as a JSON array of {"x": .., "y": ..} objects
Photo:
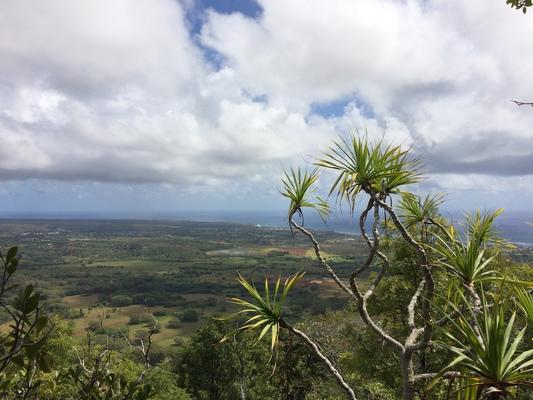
[
  {"x": 414, "y": 210},
  {"x": 524, "y": 298},
  {"x": 489, "y": 359},
  {"x": 479, "y": 226},
  {"x": 298, "y": 186},
  {"x": 264, "y": 312},
  {"x": 464, "y": 260},
  {"x": 369, "y": 167}
]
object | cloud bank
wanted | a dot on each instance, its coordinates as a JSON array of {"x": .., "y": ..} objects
[{"x": 128, "y": 92}]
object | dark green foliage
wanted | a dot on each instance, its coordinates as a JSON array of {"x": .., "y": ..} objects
[
  {"x": 121, "y": 301},
  {"x": 23, "y": 347},
  {"x": 520, "y": 4},
  {"x": 190, "y": 315},
  {"x": 102, "y": 384},
  {"x": 174, "y": 324},
  {"x": 165, "y": 383},
  {"x": 211, "y": 369},
  {"x": 137, "y": 319},
  {"x": 207, "y": 368}
]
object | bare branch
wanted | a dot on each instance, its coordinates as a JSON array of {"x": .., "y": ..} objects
[
  {"x": 522, "y": 103},
  {"x": 431, "y": 375},
  {"x": 336, "y": 373},
  {"x": 412, "y": 304},
  {"x": 322, "y": 260},
  {"x": 362, "y": 299}
]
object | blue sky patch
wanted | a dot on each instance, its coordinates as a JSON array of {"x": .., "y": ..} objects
[{"x": 336, "y": 108}]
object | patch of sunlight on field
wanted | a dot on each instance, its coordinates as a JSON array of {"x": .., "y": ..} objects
[
  {"x": 135, "y": 264},
  {"x": 81, "y": 301}
]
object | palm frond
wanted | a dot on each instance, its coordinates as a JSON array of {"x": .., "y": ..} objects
[
  {"x": 264, "y": 310},
  {"x": 491, "y": 357},
  {"x": 414, "y": 210},
  {"x": 524, "y": 299},
  {"x": 465, "y": 260},
  {"x": 298, "y": 186},
  {"x": 372, "y": 167},
  {"x": 479, "y": 226}
]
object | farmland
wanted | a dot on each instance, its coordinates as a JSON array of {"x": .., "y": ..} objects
[{"x": 113, "y": 275}]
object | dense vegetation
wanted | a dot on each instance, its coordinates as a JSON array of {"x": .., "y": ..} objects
[
  {"x": 418, "y": 308},
  {"x": 474, "y": 336}
]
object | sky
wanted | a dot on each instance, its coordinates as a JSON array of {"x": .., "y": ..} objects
[{"x": 146, "y": 106}]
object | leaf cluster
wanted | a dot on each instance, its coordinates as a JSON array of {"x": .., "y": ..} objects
[
  {"x": 370, "y": 167},
  {"x": 298, "y": 185},
  {"x": 265, "y": 311},
  {"x": 490, "y": 358},
  {"x": 520, "y": 4}
]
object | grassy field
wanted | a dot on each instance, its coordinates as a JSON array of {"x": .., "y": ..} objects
[{"x": 125, "y": 269}]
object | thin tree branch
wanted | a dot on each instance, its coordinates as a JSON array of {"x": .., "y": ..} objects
[
  {"x": 431, "y": 375},
  {"x": 412, "y": 304},
  {"x": 322, "y": 260},
  {"x": 336, "y": 373},
  {"x": 362, "y": 299},
  {"x": 522, "y": 103}
]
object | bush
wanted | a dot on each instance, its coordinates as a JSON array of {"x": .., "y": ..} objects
[
  {"x": 173, "y": 324},
  {"x": 190, "y": 315},
  {"x": 139, "y": 319},
  {"x": 212, "y": 301},
  {"x": 121, "y": 301}
]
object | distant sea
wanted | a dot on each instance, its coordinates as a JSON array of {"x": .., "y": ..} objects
[{"x": 517, "y": 227}]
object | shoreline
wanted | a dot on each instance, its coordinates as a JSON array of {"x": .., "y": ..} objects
[{"x": 315, "y": 225}]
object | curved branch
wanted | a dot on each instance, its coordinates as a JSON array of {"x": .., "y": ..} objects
[
  {"x": 426, "y": 269},
  {"x": 336, "y": 373},
  {"x": 522, "y": 103},
  {"x": 364, "y": 235},
  {"x": 362, "y": 299},
  {"x": 322, "y": 260},
  {"x": 412, "y": 304},
  {"x": 431, "y": 375}
]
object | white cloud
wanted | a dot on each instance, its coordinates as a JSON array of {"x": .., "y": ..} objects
[
  {"x": 443, "y": 71},
  {"x": 119, "y": 92}
]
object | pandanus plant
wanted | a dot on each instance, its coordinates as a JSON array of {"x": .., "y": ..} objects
[
  {"x": 467, "y": 261},
  {"x": 417, "y": 211},
  {"x": 264, "y": 312},
  {"x": 378, "y": 171},
  {"x": 373, "y": 168},
  {"x": 298, "y": 185},
  {"x": 524, "y": 300},
  {"x": 490, "y": 360}
]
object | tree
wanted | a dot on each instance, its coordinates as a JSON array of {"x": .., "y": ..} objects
[
  {"x": 520, "y": 4},
  {"x": 29, "y": 346},
  {"x": 374, "y": 174},
  {"x": 24, "y": 353},
  {"x": 217, "y": 363},
  {"x": 206, "y": 369},
  {"x": 189, "y": 315}
]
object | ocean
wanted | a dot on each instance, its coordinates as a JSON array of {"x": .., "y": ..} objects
[{"x": 516, "y": 227}]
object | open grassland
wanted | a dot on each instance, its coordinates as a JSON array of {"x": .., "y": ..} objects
[{"x": 116, "y": 273}]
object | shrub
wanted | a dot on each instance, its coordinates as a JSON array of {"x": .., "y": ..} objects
[
  {"x": 121, "y": 301},
  {"x": 173, "y": 324},
  {"x": 190, "y": 315}
]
